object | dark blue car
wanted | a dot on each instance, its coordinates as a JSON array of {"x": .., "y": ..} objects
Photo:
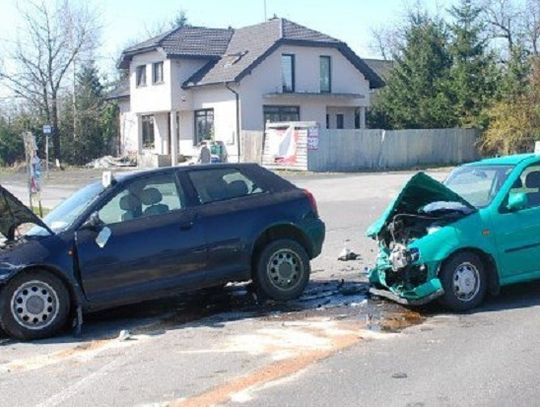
[{"x": 152, "y": 234}]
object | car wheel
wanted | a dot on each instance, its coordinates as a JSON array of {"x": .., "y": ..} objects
[
  {"x": 464, "y": 281},
  {"x": 34, "y": 305},
  {"x": 282, "y": 270}
]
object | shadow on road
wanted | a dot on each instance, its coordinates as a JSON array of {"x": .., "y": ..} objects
[
  {"x": 210, "y": 307},
  {"x": 515, "y": 296}
]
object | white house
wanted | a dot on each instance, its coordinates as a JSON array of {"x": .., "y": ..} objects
[{"x": 194, "y": 83}]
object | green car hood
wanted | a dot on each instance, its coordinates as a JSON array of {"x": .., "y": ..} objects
[
  {"x": 14, "y": 213},
  {"x": 419, "y": 191}
]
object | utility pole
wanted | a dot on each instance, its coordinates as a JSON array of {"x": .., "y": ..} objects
[{"x": 264, "y": 10}]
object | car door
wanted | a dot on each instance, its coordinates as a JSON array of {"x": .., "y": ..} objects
[
  {"x": 230, "y": 202},
  {"x": 518, "y": 233},
  {"x": 148, "y": 242}
]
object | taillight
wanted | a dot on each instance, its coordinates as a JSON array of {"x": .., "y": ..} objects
[{"x": 312, "y": 202}]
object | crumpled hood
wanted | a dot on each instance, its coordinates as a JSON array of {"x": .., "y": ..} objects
[
  {"x": 419, "y": 191},
  {"x": 14, "y": 213}
]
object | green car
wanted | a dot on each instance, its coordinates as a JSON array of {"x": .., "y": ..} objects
[{"x": 458, "y": 240}]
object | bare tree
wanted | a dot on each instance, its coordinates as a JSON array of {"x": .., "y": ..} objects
[
  {"x": 531, "y": 25},
  {"x": 386, "y": 40},
  {"x": 52, "y": 37},
  {"x": 504, "y": 20}
]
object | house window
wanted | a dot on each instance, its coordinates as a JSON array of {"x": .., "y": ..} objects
[
  {"x": 204, "y": 125},
  {"x": 326, "y": 74},
  {"x": 148, "y": 138},
  {"x": 157, "y": 72},
  {"x": 274, "y": 114},
  {"x": 327, "y": 121},
  {"x": 287, "y": 72},
  {"x": 141, "y": 75},
  {"x": 340, "y": 120}
]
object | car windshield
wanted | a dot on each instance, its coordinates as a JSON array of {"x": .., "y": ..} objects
[
  {"x": 62, "y": 217},
  {"x": 478, "y": 184}
]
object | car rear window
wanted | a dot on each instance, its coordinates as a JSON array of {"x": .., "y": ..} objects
[{"x": 222, "y": 183}]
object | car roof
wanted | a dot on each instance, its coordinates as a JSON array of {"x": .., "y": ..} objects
[
  {"x": 514, "y": 159},
  {"x": 125, "y": 176}
]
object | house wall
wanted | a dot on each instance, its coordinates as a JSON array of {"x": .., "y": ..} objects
[
  {"x": 152, "y": 97},
  {"x": 266, "y": 79},
  {"x": 181, "y": 70},
  {"x": 223, "y": 102},
  {"x": 161, "y": 133},
  {"x": 128, "y": 128},
  {"x": 348, "y": 116}
]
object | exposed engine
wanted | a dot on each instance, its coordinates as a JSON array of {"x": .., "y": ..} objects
[{"x": 404, "y": 228}]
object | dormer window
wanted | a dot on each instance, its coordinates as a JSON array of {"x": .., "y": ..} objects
[
  {"x": 287, "y": 73},
  {"x": 231, "y": 59},
  {"x": 140, "y": 75},
  {"x": 157, "y": 72}
]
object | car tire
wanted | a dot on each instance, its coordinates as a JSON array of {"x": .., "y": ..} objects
[
  {"x": 34, "y": 305},
  {"x": 463, "y": 278},
  {"x": 282, "y": 270}
]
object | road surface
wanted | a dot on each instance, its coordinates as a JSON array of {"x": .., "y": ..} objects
[{"x": 332, "y": 347}]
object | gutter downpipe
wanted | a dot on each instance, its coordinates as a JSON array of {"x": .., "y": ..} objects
[{"x": 237, "y": 96}]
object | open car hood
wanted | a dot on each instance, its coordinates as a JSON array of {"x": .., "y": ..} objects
[
  {"x": 419, "y": 191},
  {"x": 14, "y": 213}
]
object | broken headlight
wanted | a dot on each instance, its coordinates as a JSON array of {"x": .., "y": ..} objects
[{"x": 401, "y": 257}]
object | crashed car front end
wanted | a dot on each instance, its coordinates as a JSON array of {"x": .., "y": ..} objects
[{"x": 412, "y": 235}]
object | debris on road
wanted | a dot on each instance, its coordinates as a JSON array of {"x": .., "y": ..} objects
[
  {"x": 346, "y": 255},
  {"x": 109, "y": 161},
  {"x": 399, "y": 375},
  {"x": 124, "y": 335}
]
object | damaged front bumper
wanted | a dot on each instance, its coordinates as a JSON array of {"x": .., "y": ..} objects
[
  {"x": 423, "y": 294},
  {"x": 416, "y": 284}
]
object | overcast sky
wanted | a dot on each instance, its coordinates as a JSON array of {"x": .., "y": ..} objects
[{"x": 126, "y": 20}]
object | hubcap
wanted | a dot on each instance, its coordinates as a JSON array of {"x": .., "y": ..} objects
[
  {"x": 466, "y": 281},
  {"x": 284, "y": 269},
  {"x": 34, "y": 305}
]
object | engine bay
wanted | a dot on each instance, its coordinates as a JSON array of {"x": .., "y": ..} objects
[{"x": 406, "y": 227}]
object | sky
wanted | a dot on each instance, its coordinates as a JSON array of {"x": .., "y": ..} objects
[{"x": 124, "y": 21}]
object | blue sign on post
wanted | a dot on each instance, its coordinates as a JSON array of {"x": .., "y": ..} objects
[{"x": 47, "y": 129}]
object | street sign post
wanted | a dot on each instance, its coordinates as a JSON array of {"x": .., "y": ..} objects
[{"x": 47, "y": 130}]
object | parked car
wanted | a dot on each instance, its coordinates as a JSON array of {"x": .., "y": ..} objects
[
  {"x": 456, "y": 241},
  {"x": 152, "y": 234}
]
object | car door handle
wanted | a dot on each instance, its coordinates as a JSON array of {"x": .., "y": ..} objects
[{"x": 186, "y": 225}]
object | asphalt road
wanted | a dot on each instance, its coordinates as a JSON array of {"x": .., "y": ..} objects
[{"x": 332, "y": 347}]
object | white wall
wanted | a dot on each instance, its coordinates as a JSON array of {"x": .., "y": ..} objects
[
  {"x": 181, "y": 70},
  {"x": 266, "y": 78},
  {"x": 161, "y": 133},
  {"x": 223, "y": 102},
  {"x": 348, "y": 116},
  {"x": 152, "y": 97},
  {"x": 129, "y": 132}
]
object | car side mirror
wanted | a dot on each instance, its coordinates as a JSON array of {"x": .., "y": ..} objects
[
  {"x": 517, "y": 201},
  {"x": 93, "y": 222}
]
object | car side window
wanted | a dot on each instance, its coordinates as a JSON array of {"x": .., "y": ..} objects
[
  {"x": 150, "y": 196},
  {"x": 222, "y": 183},
  {"x": 529, "y": 183}
]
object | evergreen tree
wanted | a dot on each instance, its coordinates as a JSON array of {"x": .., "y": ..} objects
[
  {"x": 417, "y": 93},
  {"x": 91, "y": 134},
  {"x": 474, "y": 74},
  {"x": 516, "y": 73}
]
